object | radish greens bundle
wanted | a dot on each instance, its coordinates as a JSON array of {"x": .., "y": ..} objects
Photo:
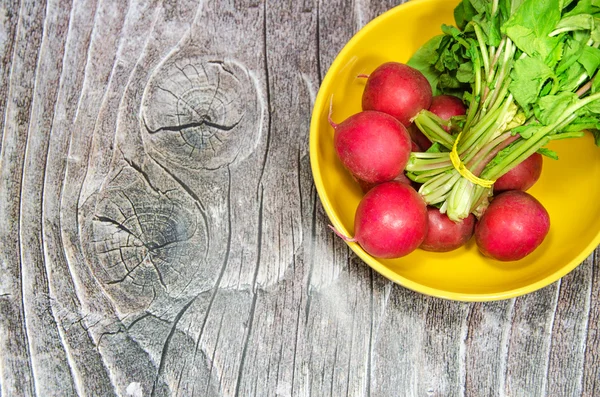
[{"x": 526, "y": 69}]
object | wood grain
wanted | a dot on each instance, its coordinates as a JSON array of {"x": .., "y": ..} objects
[{"x": 161, "y": 234}]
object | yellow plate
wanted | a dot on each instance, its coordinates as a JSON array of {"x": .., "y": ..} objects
[{"x": 569, "y": 188}]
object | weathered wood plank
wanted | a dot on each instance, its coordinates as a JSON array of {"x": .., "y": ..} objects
[
  {"x": 89, "y": 372},
  {"x": 48, "y": 357},
  {"x": 290, "y": 67},
  {"x": 444, "y": 349},
  {"x": 162, "y": 234},
  {"x": 487, "y": 347},
  {"x": 15, "y": 345},
  {"x": 529, "y": 342},
  {"x": 9, "y": 17},
  {"x": 566, "y": 359},
  {"x": 202, "y": 128},
  {"x": 591, "y": 371},
  {"x": 98, "y": 318}
]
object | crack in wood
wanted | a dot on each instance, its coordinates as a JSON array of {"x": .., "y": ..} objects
[
  {"x": 207, "y": 110},
  {"x": 204, "y": 122},
  {"x": 161, "y": 365},
  {"x": 154, "y": 236}
]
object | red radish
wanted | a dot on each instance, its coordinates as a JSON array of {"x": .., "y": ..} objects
[
  {"x": 397, "y": 89},
  {"x": 418, "y": 138},
  {"x": 512, "y": 227},
  {"x": 445, "y": 235},
  {"x": 402, "y": 178},
  {"x": 414, "y": 147},
  {"x": 373, "y": 146},
  {"x": 523, "y": 176},
  {"x": 365, "y": 186},
  {"x": 447, "y": 106},
  {"x": 390, "y": 221}
]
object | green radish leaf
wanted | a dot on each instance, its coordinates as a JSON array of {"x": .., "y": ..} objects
[
  {"x": 575, "y": 22},
  {"x": 548, "y": 153},
  {"x": 527, "y": 130},
  {"x": 571, "y": 50},
  {"x": 596, "y": 134},
  {"x": 556, "y": 55},
  {"x": 449, "y": 61},
  {"x": 595, "y": 85},
  {"x": 593, "y": 107},
  {"x": 480, "y": 6},
  {"x": 528, "y": 76},
  {"x": 590, "y": 59},
  {"x": 549, "y": 108},
  {"x": 425, "y": 60},
  {"x": 464, "y": 13},
  {"x": 565, "y": 3},
  {"x": 580, "y": 22},
  {"x": 436, "y": 148},
  {"x": 452, "y": 31},
  {"x": 449, "y": 82},
  {"x": 508, "y": 7},
  {"x": 570, "y": 80},
  {"x": 465, "y": 73},
  {"x": 531, "y": 24},
  {"x": 583, "y": 123},
  {"x": 584, "y": 7},
  {"x": 491, "y": 28}
]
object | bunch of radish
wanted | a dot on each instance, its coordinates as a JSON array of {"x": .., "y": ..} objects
[{"x": 392, "y": 219}]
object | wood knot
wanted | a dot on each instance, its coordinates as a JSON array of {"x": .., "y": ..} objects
[
  {"x": 147, "y": 242},
  {"x": 200, "y": 112}
]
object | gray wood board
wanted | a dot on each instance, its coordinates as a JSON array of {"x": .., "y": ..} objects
[{"x": 149, "y": 250}]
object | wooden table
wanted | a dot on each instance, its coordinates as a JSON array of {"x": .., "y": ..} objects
[{"x": 161, "y": 235}]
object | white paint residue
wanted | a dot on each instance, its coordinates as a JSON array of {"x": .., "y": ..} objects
[{"x": 135, "y": 389}]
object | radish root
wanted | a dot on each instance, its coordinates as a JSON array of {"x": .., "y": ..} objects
[
  {"x": 340, "y": 235},
  {"x": 334, "y": 125}
]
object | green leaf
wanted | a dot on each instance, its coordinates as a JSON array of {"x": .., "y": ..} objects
[
  {"x": 480, "y": 6},
  {"x": 593, "y": 107},
  {"x": 596, "y": 134},
  {"x": 583, "y": 123},
  {"x": 576, "y": 22},
  {"x": 571, "y": 50},
  {"x": 549, "y": 108},
  {"x": 530, "y": 25},
  {"x": 590, "y": 59},
  {"x": 508, "y": 7},
  {"x": 595, "y": 85},
  {"x": 425, "y": 60},
  {"x": 491, "y": 28},
  {"x": 528, "y": 76},
  {"x": 544, "y": 151},
  {"x": 579, "y": 22},
  {"x": 449, "y": 60},
  {"x": 556, "y": 54},
  {"x": 448, "y": 81},
  {"x": 464, "y": 13},
  {"x": 526, "y": 131},
  {"x": 569, "y": 81},
  {"x": 565, "y": 3},
  {"x": 436, "y": 148},
  {"x": 465, "y": 73},
  {"x": 584, "y": 7},
  {"x": 455, "y": 33}
]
